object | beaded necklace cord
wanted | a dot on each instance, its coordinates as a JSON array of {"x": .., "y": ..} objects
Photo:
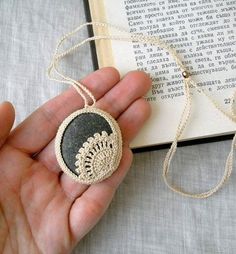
[{"x": 123, "y": 35}]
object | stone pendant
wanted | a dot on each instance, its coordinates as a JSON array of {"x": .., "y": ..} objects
[{"x": 88, "y": 145}]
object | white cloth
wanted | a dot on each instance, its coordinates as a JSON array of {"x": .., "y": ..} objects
[{"x": 144, "y": 217}]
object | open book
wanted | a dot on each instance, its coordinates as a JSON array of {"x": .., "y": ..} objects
[{"x": 203, "y": 34}]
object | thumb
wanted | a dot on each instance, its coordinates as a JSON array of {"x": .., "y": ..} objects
[{"x": 7, "y": 117}]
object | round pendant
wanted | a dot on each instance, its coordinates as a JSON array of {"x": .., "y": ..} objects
[{"x": 88, "y": 145}]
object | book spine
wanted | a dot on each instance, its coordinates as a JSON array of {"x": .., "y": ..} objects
[{"x": 90, "y": 34}]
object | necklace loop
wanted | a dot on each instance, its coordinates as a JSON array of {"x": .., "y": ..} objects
[{"x": 188, "y": 82}]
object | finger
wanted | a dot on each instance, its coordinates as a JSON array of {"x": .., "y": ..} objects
[
  {"x": 7, "y": 117},
  {"x": 41, "y": 126},
  {"x": 134, "y": 85},
  {"x": 133, "y": 119},
  {"x": 89, "y": 208},
  {"x": 72, "y": 188},
  {"x": 48, "y": 157}
]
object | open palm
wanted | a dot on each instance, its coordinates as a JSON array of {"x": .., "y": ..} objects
[{"x": 41, "y": 209}]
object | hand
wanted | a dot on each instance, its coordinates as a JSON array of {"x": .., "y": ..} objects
[{"x": 42, "y": 210}]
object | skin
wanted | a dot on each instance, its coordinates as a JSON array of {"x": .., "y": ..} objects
[{"x": 42, "y": 210}]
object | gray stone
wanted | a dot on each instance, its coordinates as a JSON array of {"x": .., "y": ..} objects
[{"x": 77, "y": 132}]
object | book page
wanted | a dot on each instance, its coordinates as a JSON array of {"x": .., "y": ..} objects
[{"x": 203, "y": 33}]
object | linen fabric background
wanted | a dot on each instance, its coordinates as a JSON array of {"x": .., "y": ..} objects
[{"x": 145, "y": 216}]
